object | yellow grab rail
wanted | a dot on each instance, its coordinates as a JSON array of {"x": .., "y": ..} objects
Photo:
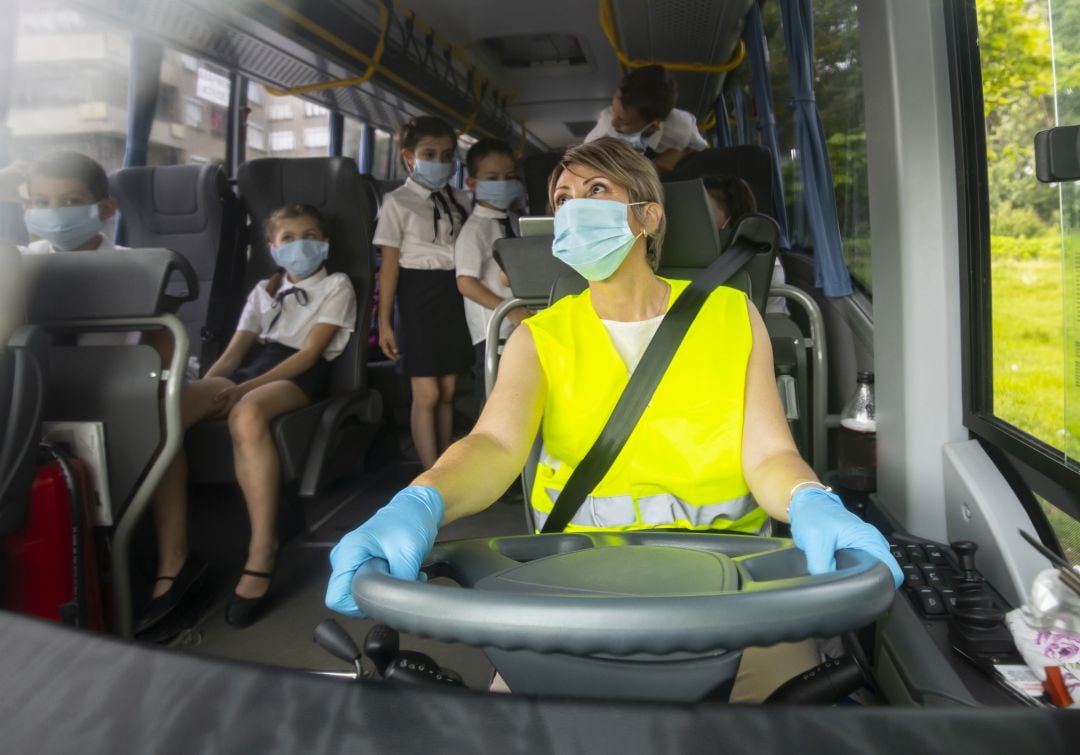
[{"x": 607, "y": 23}]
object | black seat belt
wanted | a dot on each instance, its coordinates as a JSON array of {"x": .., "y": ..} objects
[{"x": 639, "y": 391}]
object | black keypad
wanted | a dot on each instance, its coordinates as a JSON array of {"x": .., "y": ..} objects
[
  {"x": 913, "y": 578},
  {"x": 898, "y": 553},
  {"x": 916, "y": 554},
  {"x": 948, "y": 597},
  {"x": 934, "y": 576},
  {"x": 930, "y": 601},
  {"x": 936, "y": 555}
]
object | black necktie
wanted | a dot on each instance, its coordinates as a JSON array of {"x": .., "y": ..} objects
[
  {"x": 508, "y": 227},
  {"x": 279, "y": 303},
  {"x": 440, "y": 201}
]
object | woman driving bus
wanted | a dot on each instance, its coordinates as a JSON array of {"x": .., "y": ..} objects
[{"x": 713, "y": 451}]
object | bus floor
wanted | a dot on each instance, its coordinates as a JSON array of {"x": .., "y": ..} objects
[{"x": 283, "y": 636}]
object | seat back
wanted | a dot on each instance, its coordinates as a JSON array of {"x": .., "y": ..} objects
[
  {"x": 751, "y": 163},
  {"x": 529, "y": 265},
  {"x": 371, "y": 194},
  {"x": 333, "y": 186},
  {"x": 191, "y": 210},
  {"x": 22, "y": 390}
]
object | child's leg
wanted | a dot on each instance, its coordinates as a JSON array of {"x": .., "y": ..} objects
[
  {"x": 170, "y": 499},
  {"x": 425, "y": 399},
  {"x": 257, "y": 471},
  {"x": 444, "y": 416}
]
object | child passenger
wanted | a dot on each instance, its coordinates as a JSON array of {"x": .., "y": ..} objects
[
  {"x": 493, "y": 182},
  {"x": 298, "y": 322},
  {"x": 732, "y": 198},
  {"x": 643, "y": 115},
  {"x": 68, "y": 203},
  {"x": 417, "y": 227}
]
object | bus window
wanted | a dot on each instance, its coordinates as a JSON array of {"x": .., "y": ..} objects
[
  {"x": 838, "y": 89},
  {"x": 1033, "y": 383},
  {"x": 70, "y": 85},
  {"x": 191, "y": 118},
  {"x": 285, "y": 126},
  {"x": 386, "y": 165}
]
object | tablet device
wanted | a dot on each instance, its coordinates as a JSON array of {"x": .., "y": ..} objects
[{"x": 537, "y": 226}]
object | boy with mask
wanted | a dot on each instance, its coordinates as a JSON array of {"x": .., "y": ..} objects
[
  {"x": 68, "y": 203},
  {"x": 643, "y": 115},
  {"x": 493, "y": 182}
]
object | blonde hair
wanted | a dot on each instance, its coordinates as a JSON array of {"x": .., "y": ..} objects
[{"x": 630, "y": 171}]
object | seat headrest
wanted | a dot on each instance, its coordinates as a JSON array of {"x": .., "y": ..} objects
[
  {"x": 332, "y": 185},
  {"x": 692, "y": 239},
  {"x": 169, "y": 200},
  {"x": 529, "y": 265},
  {"x": 749, "y": 162}
]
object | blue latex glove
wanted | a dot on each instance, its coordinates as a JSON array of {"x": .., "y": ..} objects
[
  {"x": 820, "y": 526},
  {"x": 402, "y": 532}
]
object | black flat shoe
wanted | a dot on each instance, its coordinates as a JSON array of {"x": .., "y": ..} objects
[
  {"x": 190, "y": 574},
  {"x": 242, "y": 612}
]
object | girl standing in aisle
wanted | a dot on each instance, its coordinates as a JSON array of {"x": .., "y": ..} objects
[{"x": 418, "y": 224}]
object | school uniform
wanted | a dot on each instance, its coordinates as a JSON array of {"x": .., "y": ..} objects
[
  {"x": 283, "y": 323},
  {"x": 430, "y": 326},
  {"x": 44, "y": 246},
  {"x": 678, "y": 131},
  {"x": 474, "y": 256}
]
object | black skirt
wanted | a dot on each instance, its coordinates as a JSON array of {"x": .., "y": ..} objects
[
  {"x": 313, "y": 381},
  {"x": 432, "y": 335}
]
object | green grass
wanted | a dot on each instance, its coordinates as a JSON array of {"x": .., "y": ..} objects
[{"x": 1029, "y": 343}]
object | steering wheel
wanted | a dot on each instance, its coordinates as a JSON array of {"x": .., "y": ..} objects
[{"x": 654, "y": 592}]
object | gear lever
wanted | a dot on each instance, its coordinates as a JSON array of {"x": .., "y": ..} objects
[
  {"x": 965, "y": 551},
  {"x": 333, "y": 639}
]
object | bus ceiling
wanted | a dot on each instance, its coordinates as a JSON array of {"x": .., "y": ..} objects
[{"x": 525, "y": 72}]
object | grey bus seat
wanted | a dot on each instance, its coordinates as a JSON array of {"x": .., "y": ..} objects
[
  {"x": 22, "y": 393},
  {"x": 529, "y": 265},
  {"x": 386, "y": 186},
  {"x": 318, "y": 443},
  {"x": 751, "y": 163},
  {"x": 191, "y": 210},
  {"x": 372, "y": 195},
  {"x": 118, "y": 385}
]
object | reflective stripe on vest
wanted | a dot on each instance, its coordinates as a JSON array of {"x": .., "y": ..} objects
[
  {"x": 664, "y": 510},
  {"x": 682, "y": 465}
]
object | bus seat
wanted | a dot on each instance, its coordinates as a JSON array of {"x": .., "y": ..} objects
[
  {"x": 751, "y": 163},
  {"x": 386, "y": 186},
  {"x": 537, "y": 169},
  {"x": 21, "y": 397},
  {"x": 371, "y": 194},
  {"x": 529, "y": 265},
  {"x": 118, "y": 385},
  {"x": 320, "y": 442},
  {"x": 191, "y": 210}
]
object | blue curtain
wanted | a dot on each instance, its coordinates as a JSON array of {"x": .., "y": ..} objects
[
  {"x": 366, "y": 154},
  {"x": 754, "y": 34},
  {"x": 337, "y": 134},
  {"x": 742, "y": 118},
  {"x": 722, "y": 130},
  {"x": 145, "y": 72},
  {"x": 819, "y": 197}
]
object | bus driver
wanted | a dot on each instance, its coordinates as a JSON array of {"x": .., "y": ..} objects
[{"x": 688, "y": 463}]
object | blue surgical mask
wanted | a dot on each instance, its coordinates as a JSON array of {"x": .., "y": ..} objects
[
  {"x": 593, "y": 236},
  {"x": 499, "y": 194},
  {"x": 302, "y": 257},
  {"x": 635, "y": 140},
  {"x": 433, "y": 175},
  {"x": 66, "y": 228}
]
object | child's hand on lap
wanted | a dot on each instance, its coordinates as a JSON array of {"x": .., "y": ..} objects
[{"x": 226, "y": 400}]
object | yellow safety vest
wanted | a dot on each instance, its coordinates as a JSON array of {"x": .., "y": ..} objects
[{"x": 682, "y": 465}]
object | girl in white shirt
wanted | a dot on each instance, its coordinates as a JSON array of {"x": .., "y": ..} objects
[
  {"x": 429, "y": 339},
  {"x": 300, "y": 321}
]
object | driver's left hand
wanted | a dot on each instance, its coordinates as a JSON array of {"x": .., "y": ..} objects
[{"x": 820, "y": 526}]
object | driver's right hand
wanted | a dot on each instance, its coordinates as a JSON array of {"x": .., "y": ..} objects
[{"x": 402, "y": 532}]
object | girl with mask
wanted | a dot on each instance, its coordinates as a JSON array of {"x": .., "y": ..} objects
[
  {"x": 297, "y": 322},
  {"x": 426, "y": 332},
  {"x": 493, "y": 182},
  {"x": 713, "y": 451}
]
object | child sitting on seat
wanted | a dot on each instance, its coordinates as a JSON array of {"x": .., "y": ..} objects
[
  {"x": 732, "y": 198},
  {"x": 493, "y": 182},
  {"x": 68, "y": 202},
  {"x": 299, "y": 321},
  {"x": 643, "y": 114},
  {"x": 418, "y": 224}
]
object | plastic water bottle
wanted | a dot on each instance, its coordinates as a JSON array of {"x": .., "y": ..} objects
[{"x": 857, "y": 448}]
